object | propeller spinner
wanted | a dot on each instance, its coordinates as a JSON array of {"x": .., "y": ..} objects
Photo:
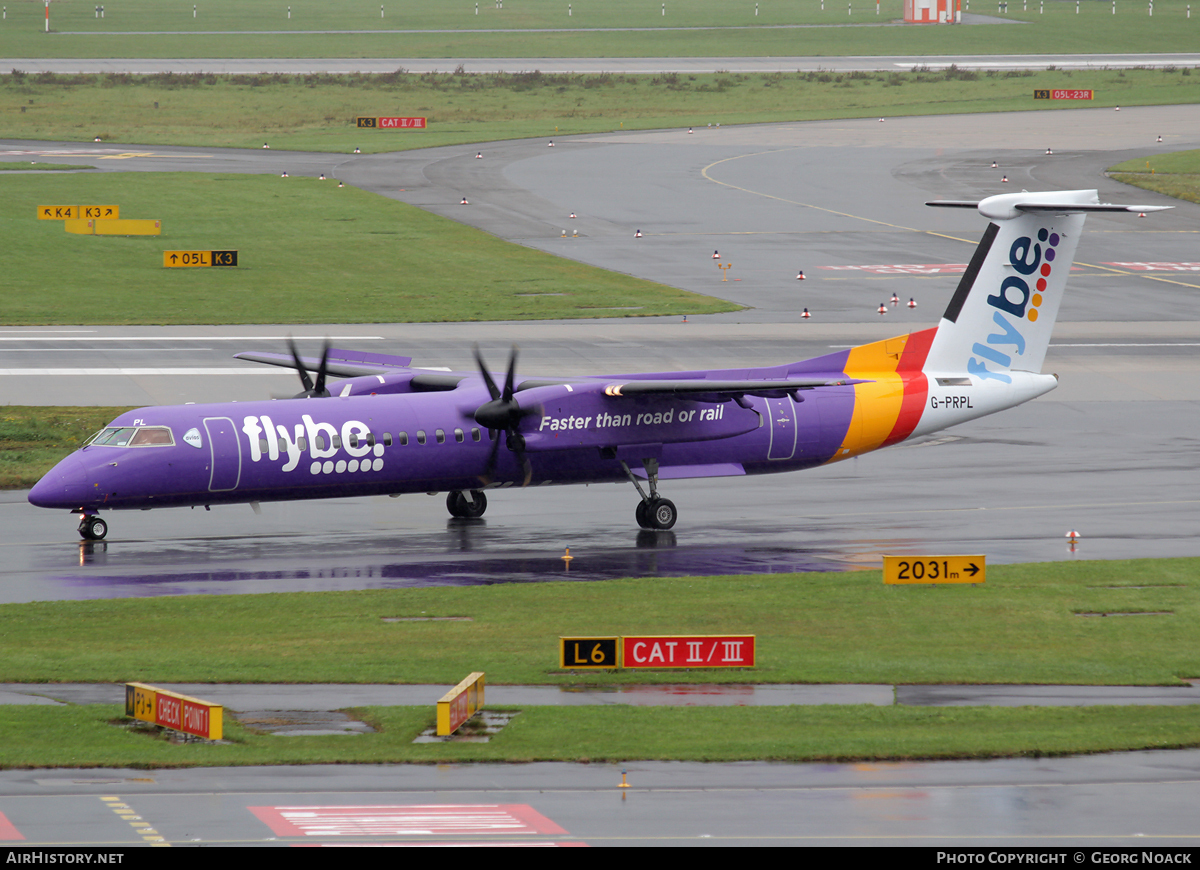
[{"x": 503, "y": 413}]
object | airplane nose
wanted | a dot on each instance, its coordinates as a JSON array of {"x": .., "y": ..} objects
[{"x": 64, "y": 486}]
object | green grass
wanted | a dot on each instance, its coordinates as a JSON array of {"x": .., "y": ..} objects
[
  {"x": 310, "y": 252},
  {"x": 263, "y": 30},
  {"x": 33, "y": 439},
  {"x": 84, "y": 736},
  {"x": 317, "y": 113},
  {"x": 1022, "y": 627},
  {"x": 1176, "y": 174},
  {"x": 33, "y": 166}
]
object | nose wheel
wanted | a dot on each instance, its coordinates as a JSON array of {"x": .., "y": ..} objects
[{"x": 92, "y": 528}]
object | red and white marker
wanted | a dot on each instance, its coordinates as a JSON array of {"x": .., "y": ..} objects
[
  {"x": 800, "y": 277},
  {"x": 464, "y": 201},
  {"x": 895, "y": 300},
  {"x": 636, "y": 235},
  {"x": 912, "y": 303},
  {"x": 478, "y": 155},
  {"x": 1072, "y": 536},
  {"x": 716, "y": 256},
  {"x": 1004, "y": 179},
  {"x": 806, "y": 315},
  {"x": 882, "y": 308}
]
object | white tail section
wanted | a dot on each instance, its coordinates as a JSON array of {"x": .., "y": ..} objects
[{"x": 1000, "y": 318}]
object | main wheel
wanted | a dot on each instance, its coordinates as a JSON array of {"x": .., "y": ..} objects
[
  {"x": 474, "y": 509},
  {"x": 642, "y": 513},
  {"x": 662, "y": 514},
  {"x": 462, "y": 509},
  {"x": 93, "y": 529}
]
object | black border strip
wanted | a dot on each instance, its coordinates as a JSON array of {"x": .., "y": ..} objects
[{"x": 968, "y": 279}]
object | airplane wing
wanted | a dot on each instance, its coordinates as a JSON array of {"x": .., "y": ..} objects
[
  {"x": 353, "y": 364},
  {"x": 341, "y": 363}
]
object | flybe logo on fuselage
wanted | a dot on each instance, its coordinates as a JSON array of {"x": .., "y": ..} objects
[
  {"x": 1018, "y": 301},
  {"x": 322, "y": 442}
]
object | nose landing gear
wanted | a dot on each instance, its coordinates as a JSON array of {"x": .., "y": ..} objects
[{"x": 92, "y": 528}]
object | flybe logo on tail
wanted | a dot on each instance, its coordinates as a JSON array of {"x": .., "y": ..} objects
[{"x": 1018, "y": 301}]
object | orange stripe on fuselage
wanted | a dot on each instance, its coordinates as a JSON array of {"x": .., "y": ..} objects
[{"x": 889, "y": 406}]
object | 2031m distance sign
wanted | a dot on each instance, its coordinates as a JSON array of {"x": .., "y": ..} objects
[{"x": 934, "y": 569}]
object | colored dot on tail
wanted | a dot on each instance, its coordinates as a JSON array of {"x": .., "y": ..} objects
[
  {"x": 1046, "y": 269},
  {"x": 1054, "y": 240},
  {"x": 1050, "y": 254},
  {"x": 1032, "y": 315},
  {"x": 1041, "y": 285}
]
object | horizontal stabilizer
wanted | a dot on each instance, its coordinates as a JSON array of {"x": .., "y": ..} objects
[{"x": 1006, "y": 206}]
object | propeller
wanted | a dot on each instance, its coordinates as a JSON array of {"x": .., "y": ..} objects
[
  {"x": 503, "y": 413},
  {"x": 311, "y": 390}
]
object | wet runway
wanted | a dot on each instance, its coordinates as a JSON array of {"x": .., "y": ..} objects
[
  {"x": 1142, "y": 799},
  {"x": 1110, "y": 453}
]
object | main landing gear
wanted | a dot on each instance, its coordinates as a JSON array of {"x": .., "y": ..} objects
[
  {"x": 466, "y": 505},
  {"x": 653, "y": 511},
  {"x": 92, "y": 528}
]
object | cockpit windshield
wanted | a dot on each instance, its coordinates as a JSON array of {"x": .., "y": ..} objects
[{"x": 133, "y": 436}]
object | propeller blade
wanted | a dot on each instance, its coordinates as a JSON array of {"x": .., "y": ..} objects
[
  {"x": 512, "y": 373},
  {"x": 304, "y": 378},
  {"x": 487, "y": 378},
  {"x": 319, "y": 387},
  {"x": 489, "y": 469}
]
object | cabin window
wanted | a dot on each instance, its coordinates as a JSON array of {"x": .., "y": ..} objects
[
  {"x": 387, "y": 439},
  {"x": 403, "y": 439},
  {"x": 301, "y": 443},
  {"x": 352, "y": 441},
  {"x": 440, "y": 435},
  {"x": 152, "y": 436},
  {"x": 458, "y": 435},
  {"x": 475, "y": 436},
  {"x": 319, "y": 442},
  {"x": 370, "y": 439},
  {"x": 420, "y": 436},
  {"x": 337, "y": 441}
]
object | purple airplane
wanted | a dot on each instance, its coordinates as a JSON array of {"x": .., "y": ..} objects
[{"x": 392, "y": 428}]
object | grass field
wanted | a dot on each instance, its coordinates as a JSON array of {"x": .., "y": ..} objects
[
  {"x": 317, "y": 113},
  {"x": 690, "y": 28},
  {"x": 1176, "y": 174},
  {"x": 1028, "y": 624},
  {"x": 85, "y": 736},
  {"x": 310, "y": 252},
  {"x": 33, "y": 439}
]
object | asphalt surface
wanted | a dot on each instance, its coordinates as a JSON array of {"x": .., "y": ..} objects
[
  {"x": 1110, "y": 453},
  {"x": 625, "y": 65}
]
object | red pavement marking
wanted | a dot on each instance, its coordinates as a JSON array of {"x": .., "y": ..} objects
[
  {"x": 391, "y": 821},
  {"x": 1157, "y": 267},
  {"x": 7, "y": 831},
  {"x": 940, "y": 268},
  {"x": 422, "y": 844}
]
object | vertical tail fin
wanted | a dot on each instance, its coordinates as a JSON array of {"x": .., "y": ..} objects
[{"x": 1001, "y": 316}]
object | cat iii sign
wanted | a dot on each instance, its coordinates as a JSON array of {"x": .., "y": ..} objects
[{"x": 392, "y": 123}]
